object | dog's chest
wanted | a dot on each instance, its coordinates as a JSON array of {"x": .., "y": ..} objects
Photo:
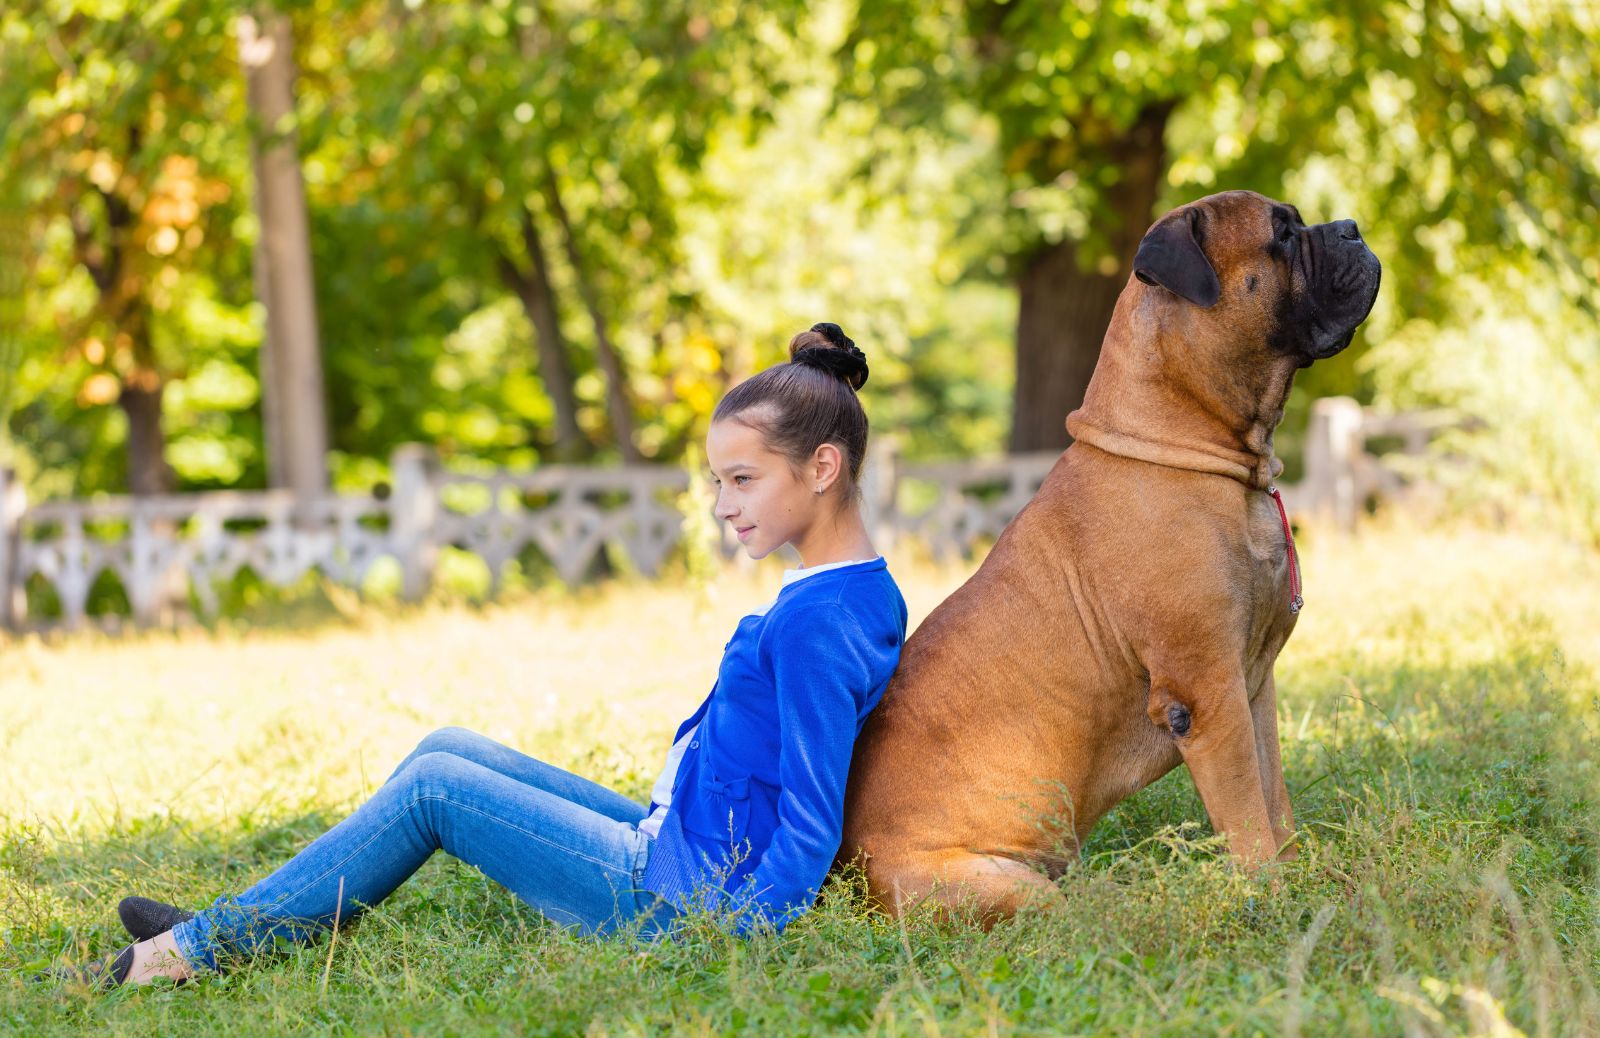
[{"x": 1268, "y": 568}]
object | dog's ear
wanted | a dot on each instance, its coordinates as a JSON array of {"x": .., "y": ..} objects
[{"x": 1170, "y": 256}]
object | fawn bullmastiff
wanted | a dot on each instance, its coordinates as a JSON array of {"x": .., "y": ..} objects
[{"x": 1128, "y": 618}]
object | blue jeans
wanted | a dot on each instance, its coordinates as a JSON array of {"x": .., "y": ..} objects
[{"x": 569, "y": 847}]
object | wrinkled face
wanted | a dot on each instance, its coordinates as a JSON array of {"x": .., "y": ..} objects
[
  {"x": 758, "y": 491},
  {"x": 1252, "y": 266},
  {"x": 1333, "y": 279}
]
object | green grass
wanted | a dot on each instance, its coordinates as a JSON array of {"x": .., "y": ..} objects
[{"x": 1439, "y": 732}]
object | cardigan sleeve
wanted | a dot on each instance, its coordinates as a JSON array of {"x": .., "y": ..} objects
[{"x": 823, "y": 673}]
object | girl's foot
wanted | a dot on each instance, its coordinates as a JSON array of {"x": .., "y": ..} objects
[
  {"x": 136, "y": 964},
  {"x": 145, "y": 918},
  {"x": 157, "y": 957}
]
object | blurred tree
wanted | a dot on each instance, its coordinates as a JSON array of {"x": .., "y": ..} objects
[
  {"x": 291, "y": 354},
  {"x": 833, "y": 214},
  {"x": 13, "y": 303},
  {"x": 536, "y": 130},
  {"x": 1468, "y": 118},
  {"x": 619, "y": 399},
  {"x": 117, "y": 131},
  {"x": 548, "y": 228}
]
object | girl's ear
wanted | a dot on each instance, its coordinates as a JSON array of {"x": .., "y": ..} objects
[{"x": 826, "y": 464}]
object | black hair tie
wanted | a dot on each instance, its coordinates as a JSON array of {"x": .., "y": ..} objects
[
  {"x": 841, "y": 360},
  {"x": 834, "y": 334},
  {"x": 847, "y": 365}
]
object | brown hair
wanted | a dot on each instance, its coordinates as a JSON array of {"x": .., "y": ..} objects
[{"x": 808, "y": 401}]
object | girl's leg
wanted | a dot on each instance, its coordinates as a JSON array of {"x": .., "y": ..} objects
[
  {"x": 577, "y": 866},
  {"x": 481, "y": 749}
]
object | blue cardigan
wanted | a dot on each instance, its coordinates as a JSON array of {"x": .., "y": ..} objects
[{"x": 757, "y": 809}]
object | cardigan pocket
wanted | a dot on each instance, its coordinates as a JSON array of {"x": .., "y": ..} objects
[{"x": 720, "y": 813}]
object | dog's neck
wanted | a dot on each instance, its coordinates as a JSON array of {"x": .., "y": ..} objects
[{"x": 1143, "y": 407}]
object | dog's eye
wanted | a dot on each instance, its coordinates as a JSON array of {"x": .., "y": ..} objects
[{"x": 1285, "y": 233}]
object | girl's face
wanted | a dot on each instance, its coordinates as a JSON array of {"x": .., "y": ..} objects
[{"x": 758, "y": 491}]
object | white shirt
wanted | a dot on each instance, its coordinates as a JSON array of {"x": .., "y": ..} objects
[{"x": 661, "y": 793}]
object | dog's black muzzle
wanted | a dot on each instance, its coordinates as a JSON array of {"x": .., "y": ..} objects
[{"x": 1343, "y": 275}]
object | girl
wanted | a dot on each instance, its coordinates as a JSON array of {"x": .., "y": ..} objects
[{"x": 747, "y": 813}]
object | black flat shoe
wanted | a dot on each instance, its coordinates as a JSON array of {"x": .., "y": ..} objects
[
  {"x": 105, "y": 974},
  {"x": 144, "y": 918}
]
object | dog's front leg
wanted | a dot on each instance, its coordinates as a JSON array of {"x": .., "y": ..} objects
[
  {"x": 1211, "y": 723},
  {"x": 1264, "y": 711}
]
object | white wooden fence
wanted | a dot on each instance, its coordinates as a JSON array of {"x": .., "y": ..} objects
[{"x": 168, "y": 551}]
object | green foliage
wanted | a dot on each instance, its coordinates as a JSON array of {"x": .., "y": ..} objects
[
  {"x": 13, "y": 300},
  {"x": 465, "y": 118},
  {"x": 122, "y": 145},
  {"x": 731, "y": 173},
  {"x": 1460, "y": 135},
  {"x": 841, "y": 227},
  {"x": 1471, "y": 116},
  {"x": 1526, "y": 364}
]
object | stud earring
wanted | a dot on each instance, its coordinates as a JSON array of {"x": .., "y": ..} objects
[{"x": 819, "y": 490}]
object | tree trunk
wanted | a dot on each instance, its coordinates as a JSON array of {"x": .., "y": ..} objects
[
  {"x": 539, "y": 301},
  {"x": 140, "y": 399},
  {"x": 1063, "y": 311},
  {"x": 619, "y": 401},
  {"x": 293, "y": 404},
  {"x": 122, "y": 305},
  {"x": 148, "y": 471},
  {"x": 272, "y": 422}
]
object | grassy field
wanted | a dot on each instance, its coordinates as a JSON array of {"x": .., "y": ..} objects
[{"x": 1439, "y": 731}]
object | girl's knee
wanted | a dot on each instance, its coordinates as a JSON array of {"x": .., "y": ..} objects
[
  {"x": 458, "y": 742},
  {"x": 447, "y": 740},
  {"x": 437, "y": 772}
]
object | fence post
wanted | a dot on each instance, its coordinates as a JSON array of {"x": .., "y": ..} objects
[
  {"x": 13, "y": 502},
  {"x": 878, "y": 486},
  {"x": 413, "y": 509},
  {"x": 1333, "y": 451}
]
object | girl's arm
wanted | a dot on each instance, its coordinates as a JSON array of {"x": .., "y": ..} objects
[{"x": 824, "y": 673}]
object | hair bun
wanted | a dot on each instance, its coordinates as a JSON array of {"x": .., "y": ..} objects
[{"x": 827, "y": 348}]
